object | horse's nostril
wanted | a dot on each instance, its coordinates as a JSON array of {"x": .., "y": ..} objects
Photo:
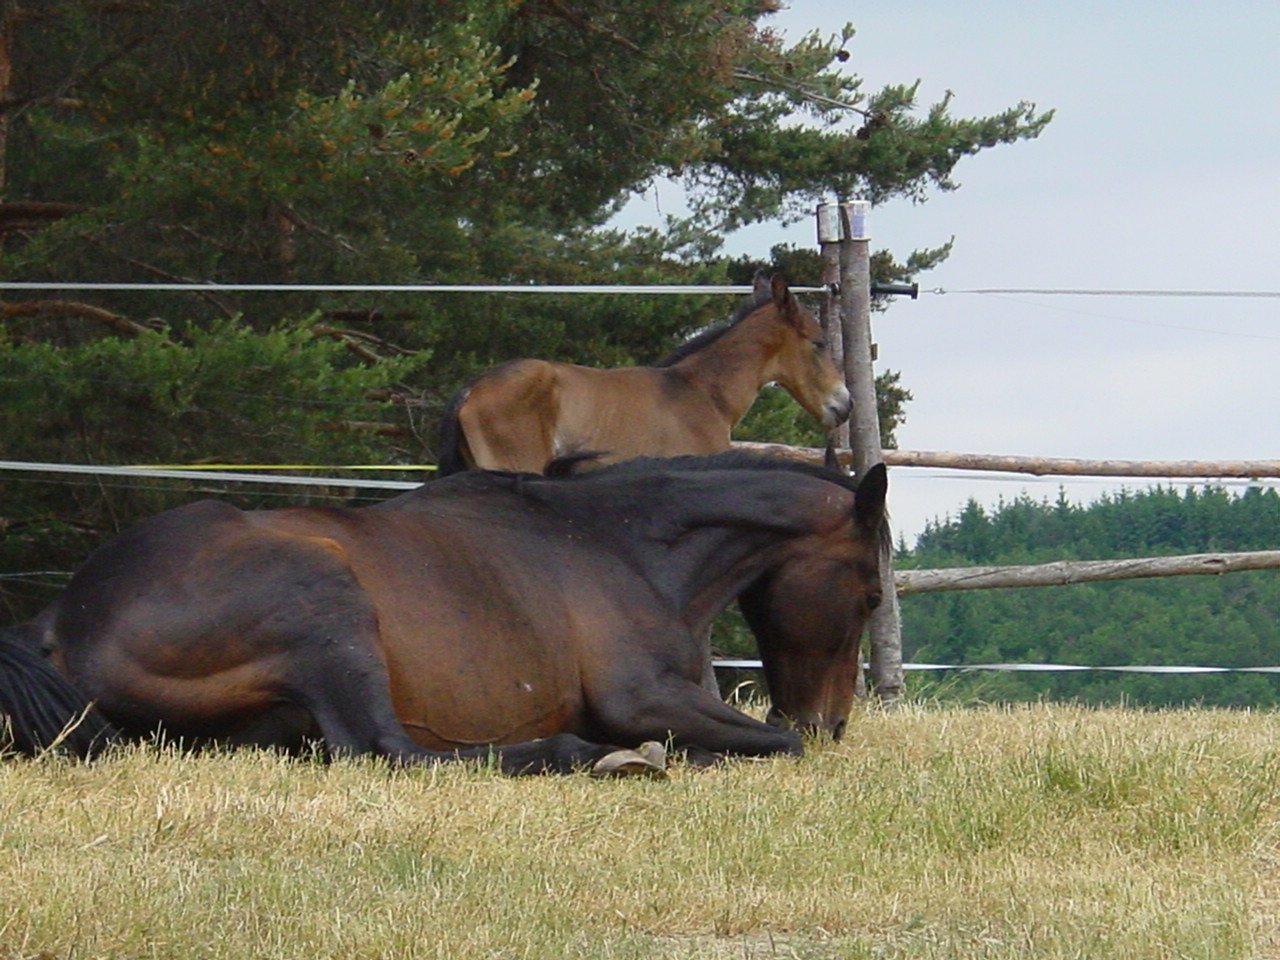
[{"x": 837, "y": 731}]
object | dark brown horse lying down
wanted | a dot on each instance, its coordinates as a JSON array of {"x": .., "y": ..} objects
[{"x": 541, "y": 620}]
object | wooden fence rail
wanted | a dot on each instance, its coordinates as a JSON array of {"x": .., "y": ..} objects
[
  {"x": 1063, "y": 572},
  {"x": 1042, "y": 466}
]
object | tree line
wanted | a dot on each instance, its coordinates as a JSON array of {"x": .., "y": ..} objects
[{"x": 1222, "y": 621}]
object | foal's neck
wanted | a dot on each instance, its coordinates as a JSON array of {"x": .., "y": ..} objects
[{"x": 733, "y": 368}]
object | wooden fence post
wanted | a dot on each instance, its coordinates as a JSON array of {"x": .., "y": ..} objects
[
  {"x": 832, "y": 322},
  {"x": 885, "y": 629}
]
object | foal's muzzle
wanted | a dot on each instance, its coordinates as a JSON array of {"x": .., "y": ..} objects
[{"x": 837, "y": 408}]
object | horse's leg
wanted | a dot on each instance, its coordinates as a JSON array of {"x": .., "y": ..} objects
[
  {"x": 332, "y": 667},
  {"x": 709, "y": 679},
  {"x": 687, "y": 715},
  {"x": 349, "y": 697},
  {"x": 336, "y": 671}
]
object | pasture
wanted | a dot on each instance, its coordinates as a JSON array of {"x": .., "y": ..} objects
[{"x": 1045, "y": 831}]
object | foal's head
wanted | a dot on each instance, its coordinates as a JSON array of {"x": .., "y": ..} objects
[
  {"x": 798, "y": 355},
  {"x": 808, "y": 614}
]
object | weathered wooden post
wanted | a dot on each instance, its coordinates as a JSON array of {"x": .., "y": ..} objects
[
  {"x": 885, "y": 629},
  {"x": 832, "y": 320}
]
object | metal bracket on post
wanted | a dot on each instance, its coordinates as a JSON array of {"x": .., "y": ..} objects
[{"x": 829, "y": 223}]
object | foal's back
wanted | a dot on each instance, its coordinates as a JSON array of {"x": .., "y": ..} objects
[{"x": 525, "y": 413}]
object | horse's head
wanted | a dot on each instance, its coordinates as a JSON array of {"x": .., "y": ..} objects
[
  {"x": 809, "y": 611},
  {"x": 800, "y": 360}
]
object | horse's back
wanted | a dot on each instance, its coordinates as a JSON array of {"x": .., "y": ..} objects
[
  {"x": 521, "y": 415},
  {"x": 630, "y": 412}
]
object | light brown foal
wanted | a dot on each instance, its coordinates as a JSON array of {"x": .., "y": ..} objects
[{"x": 523, "y": 414}]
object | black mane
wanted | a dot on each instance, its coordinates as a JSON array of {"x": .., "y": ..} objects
[
  {"x": 700, "y": 341},
  {"x": 561, "y": 471},
  {"x": 729, "y": 460}
]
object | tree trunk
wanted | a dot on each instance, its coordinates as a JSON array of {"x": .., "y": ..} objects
[
  {"x": 8, "y": 23},
  {"x": 885, "y": 626}
]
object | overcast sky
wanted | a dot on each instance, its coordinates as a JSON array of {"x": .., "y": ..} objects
[{"x": 1161, "y": 170}]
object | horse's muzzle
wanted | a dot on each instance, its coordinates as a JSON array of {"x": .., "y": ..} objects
[
  {"x": 808, "y": 726},
  {"x": 837, "y": 408}
]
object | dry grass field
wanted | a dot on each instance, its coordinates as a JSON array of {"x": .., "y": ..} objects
[{"x": 934, "y": 832}]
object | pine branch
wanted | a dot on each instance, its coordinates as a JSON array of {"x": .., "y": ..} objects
[
  {"x": 70, "y": 308},
  {"x": 565, "y": 12},
  {"x": 28, "y": 214},
  {"x": 803, "y": 92}
]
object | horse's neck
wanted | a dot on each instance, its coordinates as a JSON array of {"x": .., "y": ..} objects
[
  {"x": 716, "y": 536},
  {"x": 731, "y": 370},
  {"x": 701, "y": 574}
]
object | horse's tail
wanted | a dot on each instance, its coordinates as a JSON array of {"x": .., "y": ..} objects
[
  {"x": 451, "y": 457},
  {"x": 40, "y": 710}
]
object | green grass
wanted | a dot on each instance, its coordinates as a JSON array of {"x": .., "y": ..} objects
[{"x": 935, "y": 832}]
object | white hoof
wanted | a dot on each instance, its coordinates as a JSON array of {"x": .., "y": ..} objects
[{"x": 649, "y": 760}]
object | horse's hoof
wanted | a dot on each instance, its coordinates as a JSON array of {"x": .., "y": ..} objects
[
  {"x": 633, "y": 763},
  {"x": 654, "y": 752}
]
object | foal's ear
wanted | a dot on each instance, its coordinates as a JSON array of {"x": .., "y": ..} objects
[
  {"x": 868, "y": 500},
  {"x": 781, "y": 292}
]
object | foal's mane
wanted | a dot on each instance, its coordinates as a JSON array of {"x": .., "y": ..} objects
[{"x": 700, "y": 341}]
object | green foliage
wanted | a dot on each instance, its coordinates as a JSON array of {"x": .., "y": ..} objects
[
  {"x": 1223, "y": 621},
  {"x": 228, "y": 395}
]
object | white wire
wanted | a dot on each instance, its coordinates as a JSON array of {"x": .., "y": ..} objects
[
  {"x": 1034, "y": 667},
  {"x": 32, "y": 467},
  {"x": 1064, "y": 292},
  {"x": 403, "y": 287}
]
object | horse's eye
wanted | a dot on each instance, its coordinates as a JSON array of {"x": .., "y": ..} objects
[{"x": 820, "y": 344}]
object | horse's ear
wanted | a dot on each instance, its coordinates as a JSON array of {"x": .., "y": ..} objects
[
  {"x": 868, "y": 501},
  {"x": 831, "y": 459},
  {"x": 760, "y": 287},
  {"x": 785, "y": 304},
  {"x": 781, "y": 292}
]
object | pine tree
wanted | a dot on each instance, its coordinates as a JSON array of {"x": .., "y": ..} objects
[{"x": 396, "y": 141}]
